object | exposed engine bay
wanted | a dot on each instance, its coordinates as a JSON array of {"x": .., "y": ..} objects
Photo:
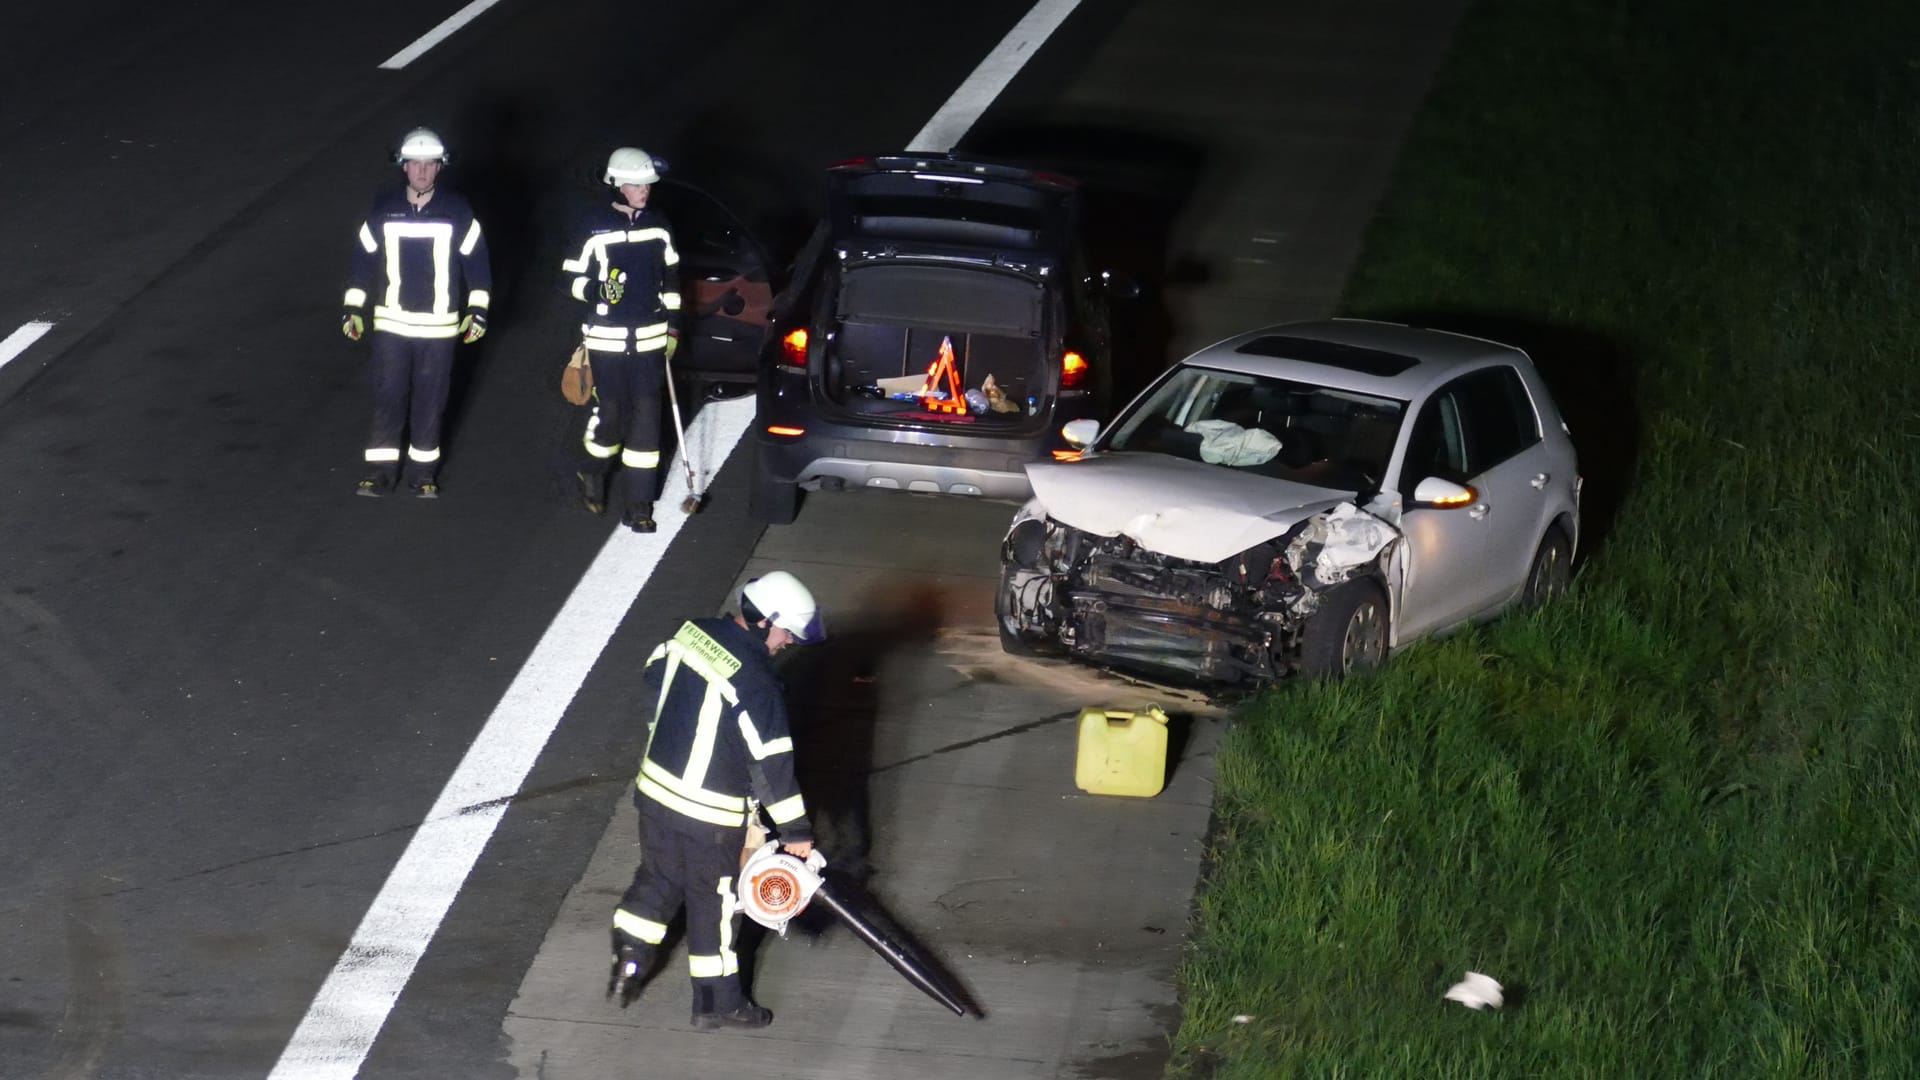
[{"x": 1110, "y": 601}]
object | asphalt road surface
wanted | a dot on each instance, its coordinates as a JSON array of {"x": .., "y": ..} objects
[{"x": 230, "y": 691}]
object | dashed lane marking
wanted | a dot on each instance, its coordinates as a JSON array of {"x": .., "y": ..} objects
[
  {"x": 436, "y": 35},
  {"x": 22, "y": 339},
  {"x": 963, "y": 109}
]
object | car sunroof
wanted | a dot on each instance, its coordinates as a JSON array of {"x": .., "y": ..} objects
[{"x": 1330, "y": 354}]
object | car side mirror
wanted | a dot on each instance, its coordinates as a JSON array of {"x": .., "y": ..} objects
[
  {"x": 1440, "y": 494},
  {"x": 1119, "y": 285},
  {"x": 1080, "y": 433}
]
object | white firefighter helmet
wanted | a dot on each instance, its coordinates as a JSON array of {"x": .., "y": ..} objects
[
  {"x": 421, "y": 144},
  {"x": 632, "y": 165},
  {"x": 780, "y": 599}
]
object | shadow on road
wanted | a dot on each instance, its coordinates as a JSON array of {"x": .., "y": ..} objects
[{"x": 833, "y": 695}]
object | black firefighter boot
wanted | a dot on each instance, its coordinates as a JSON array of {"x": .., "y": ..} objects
[
  {"x": 631, "y": 960},
  {"x": 639, "y": 517},
  {"x": 744, "y": 1015},
  {"x": 374, "y": 484},
  {"x": 593, "y": 491}
]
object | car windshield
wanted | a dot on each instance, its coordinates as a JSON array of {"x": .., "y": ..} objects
[{"x": 1275, "y": 427}]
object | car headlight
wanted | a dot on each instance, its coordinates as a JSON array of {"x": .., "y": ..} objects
[{"x": 1026, "y": 544}]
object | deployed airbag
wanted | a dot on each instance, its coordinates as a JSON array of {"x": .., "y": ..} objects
[{"x": 1223, "y": 442}]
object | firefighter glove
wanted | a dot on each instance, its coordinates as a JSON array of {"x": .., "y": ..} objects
[
  {"x": 673, "y": 342},
  {"x": 353, "y": 326},
  {"x": 473, "y": 327},
  {"x": 615, "y": 287}
]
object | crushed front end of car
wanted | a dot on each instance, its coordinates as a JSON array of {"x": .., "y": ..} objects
[{"x": 1111, "y": 601}]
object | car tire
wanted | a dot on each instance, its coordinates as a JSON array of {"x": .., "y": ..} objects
[
  {"x": 1551, "y": 572},
  {"x": 1013, "y": 640},
  {"x": 770, "y": 499},
  {"x": 1348, "y": 633}
]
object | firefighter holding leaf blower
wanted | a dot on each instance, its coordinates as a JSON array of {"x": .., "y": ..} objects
[{"x": 718, "y": 745}]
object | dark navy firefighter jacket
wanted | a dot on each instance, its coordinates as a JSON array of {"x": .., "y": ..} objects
[
  {"x": 637, "y": 255},
  {"x": 420, "y": 266},
  {"x": 719, "y": 734}
]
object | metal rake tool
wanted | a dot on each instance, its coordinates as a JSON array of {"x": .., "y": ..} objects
[{"x": 695, "y": 495}]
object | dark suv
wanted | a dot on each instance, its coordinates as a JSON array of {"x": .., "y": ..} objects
[{"x": 930, "y": 274}]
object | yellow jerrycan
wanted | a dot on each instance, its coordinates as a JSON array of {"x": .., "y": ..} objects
[{"x": 1122, "y": 753}]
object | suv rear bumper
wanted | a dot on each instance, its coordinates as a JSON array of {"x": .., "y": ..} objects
[{"x": 995, "y": 473}]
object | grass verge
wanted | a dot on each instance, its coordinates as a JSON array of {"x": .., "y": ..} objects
[{"x": 1676, "y": 815}]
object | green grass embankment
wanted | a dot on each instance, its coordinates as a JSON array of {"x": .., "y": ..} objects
[{"x": 1679, "y": 815}]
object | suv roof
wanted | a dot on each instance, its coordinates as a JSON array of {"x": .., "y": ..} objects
[{"x": 938, "y": 200}]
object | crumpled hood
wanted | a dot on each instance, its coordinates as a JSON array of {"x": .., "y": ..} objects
[{"x": 1183, "y": 509}]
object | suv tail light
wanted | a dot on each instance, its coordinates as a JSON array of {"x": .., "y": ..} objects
[
  {"x": 1073, "y": 371},
  {"x": 794, "y": 346}
]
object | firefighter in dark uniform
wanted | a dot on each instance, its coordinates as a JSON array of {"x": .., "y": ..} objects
[
  {"x": 718, "y": 746},
  {"x": 627, "y": 273},
  {"x": 421, "y": 259}
]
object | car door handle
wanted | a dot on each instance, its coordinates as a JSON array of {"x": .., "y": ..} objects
[
  {"x": 1479, "y": 513},
  {"x": 1539, "y": 481}
]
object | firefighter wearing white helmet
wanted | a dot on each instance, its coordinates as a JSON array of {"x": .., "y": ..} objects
[
  {"x": 631, "y": 165},
  {"x": 421, "y": 144},
  {"x": 421, "y": 259},
  {"x": 624, "y": 271},
  {"x": 719, "y": 754}
]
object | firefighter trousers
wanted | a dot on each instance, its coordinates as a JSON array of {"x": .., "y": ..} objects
[
  {"x": 624, "y": 427},
  {"x": 690, "y": 862},
  {"x": 411, "y": 379}
]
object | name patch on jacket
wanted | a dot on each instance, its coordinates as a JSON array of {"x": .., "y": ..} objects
[{"x": 695, "y": 641}]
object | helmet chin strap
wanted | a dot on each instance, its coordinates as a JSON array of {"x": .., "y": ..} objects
[{"x": 757, "y": 624}]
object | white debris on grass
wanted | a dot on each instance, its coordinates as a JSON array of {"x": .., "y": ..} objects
[{"x": 1476, "y": 991}]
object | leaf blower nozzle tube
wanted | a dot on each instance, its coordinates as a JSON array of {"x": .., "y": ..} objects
[
  {"x": 776, "y": 886},
  {"x": 890, "y": 952}
]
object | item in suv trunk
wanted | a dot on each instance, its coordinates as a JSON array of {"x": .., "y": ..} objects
[
  {"x": 942, "y": 389},
  {"x": 903, "y": 384},
  {"x": 895, "y": 358},
  {"x": 997, "y": 399}
]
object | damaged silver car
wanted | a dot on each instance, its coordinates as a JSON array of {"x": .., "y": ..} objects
[{"x": 1305, "y": 499}]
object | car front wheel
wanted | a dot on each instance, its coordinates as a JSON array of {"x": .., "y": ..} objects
[
  {"x": 1551, "y": 573},
  {"x": 1348, "y": 634}
]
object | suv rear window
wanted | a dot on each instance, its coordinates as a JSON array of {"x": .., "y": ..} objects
[{"x": 935, "y": 296}]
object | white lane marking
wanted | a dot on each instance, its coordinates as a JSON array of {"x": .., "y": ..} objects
[
  {"x": 19, "y": 341},
  {"x": 958, "y": 115},
  {"x": 436, "y": 35},
  {"x": 334, "y": 1038},
  {"x": 340, "y": 1026}
]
